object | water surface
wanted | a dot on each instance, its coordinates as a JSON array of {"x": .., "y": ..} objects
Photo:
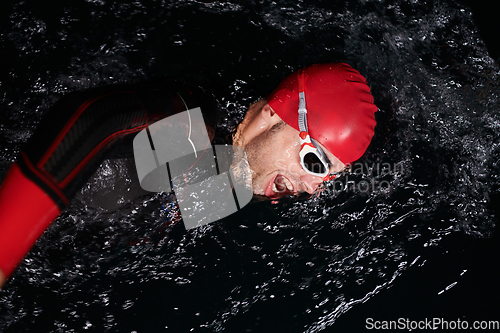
[{"x": 407, "y": 232}]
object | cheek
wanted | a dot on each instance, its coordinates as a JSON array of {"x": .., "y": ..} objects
[
  {"x": 293, "y": 151},
  {"x": 260, "y": 155},
  {"x": 274, "y": 151},
  {"x": 288, "y": 158}
]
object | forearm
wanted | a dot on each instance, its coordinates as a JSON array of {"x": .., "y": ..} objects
[{"x": 25, "y": 212}]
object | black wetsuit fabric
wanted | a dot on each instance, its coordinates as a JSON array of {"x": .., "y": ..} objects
[{"x": 82, "y": 128}]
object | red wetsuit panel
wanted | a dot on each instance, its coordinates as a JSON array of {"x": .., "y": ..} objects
[{"x": 25, "y": 212}]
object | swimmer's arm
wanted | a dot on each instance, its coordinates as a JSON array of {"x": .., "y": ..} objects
[{"x": 117, "y": 111}]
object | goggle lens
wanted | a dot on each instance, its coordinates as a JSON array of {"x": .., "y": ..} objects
[{"x": 314, "y": 164}]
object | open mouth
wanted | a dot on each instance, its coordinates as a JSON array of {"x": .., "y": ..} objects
[{"x": 278, "y": 187}]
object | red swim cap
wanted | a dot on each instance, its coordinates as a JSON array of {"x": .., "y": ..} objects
[{"x": 340, "y": 109}]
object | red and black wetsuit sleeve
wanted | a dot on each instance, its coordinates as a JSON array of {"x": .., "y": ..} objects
[{"x": 68, "y": 146}]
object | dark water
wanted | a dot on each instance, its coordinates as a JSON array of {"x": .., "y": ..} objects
[{"x": 410, "y": 232}]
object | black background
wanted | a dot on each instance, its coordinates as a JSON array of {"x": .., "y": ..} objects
[{"x": 476, "y": 295}]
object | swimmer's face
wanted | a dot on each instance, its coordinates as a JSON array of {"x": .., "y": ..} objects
[{"x": 273, "y": 157}]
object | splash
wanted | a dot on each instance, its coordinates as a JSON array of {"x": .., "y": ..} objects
[{"x": 295, "y": 266}]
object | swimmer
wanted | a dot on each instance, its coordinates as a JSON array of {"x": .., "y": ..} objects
[{"x": 319, "y": 120}]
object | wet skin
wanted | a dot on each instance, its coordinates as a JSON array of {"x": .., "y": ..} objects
[{"x": 272, "y": 149}]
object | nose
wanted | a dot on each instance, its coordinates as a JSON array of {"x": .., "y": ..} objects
[{"x": 310, "y": 182}]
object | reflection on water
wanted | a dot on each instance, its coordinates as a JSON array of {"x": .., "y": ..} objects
[{"x": 118, "y": 264}]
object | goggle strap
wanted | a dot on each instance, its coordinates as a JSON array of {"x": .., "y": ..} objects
[
  {"x": 302, "y": 103},
  {"x": 305, "y": 139},
  {"x": 302, "y": 121}
]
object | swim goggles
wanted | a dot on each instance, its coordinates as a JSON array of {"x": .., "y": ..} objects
[{"x": 312, "y": 158}]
